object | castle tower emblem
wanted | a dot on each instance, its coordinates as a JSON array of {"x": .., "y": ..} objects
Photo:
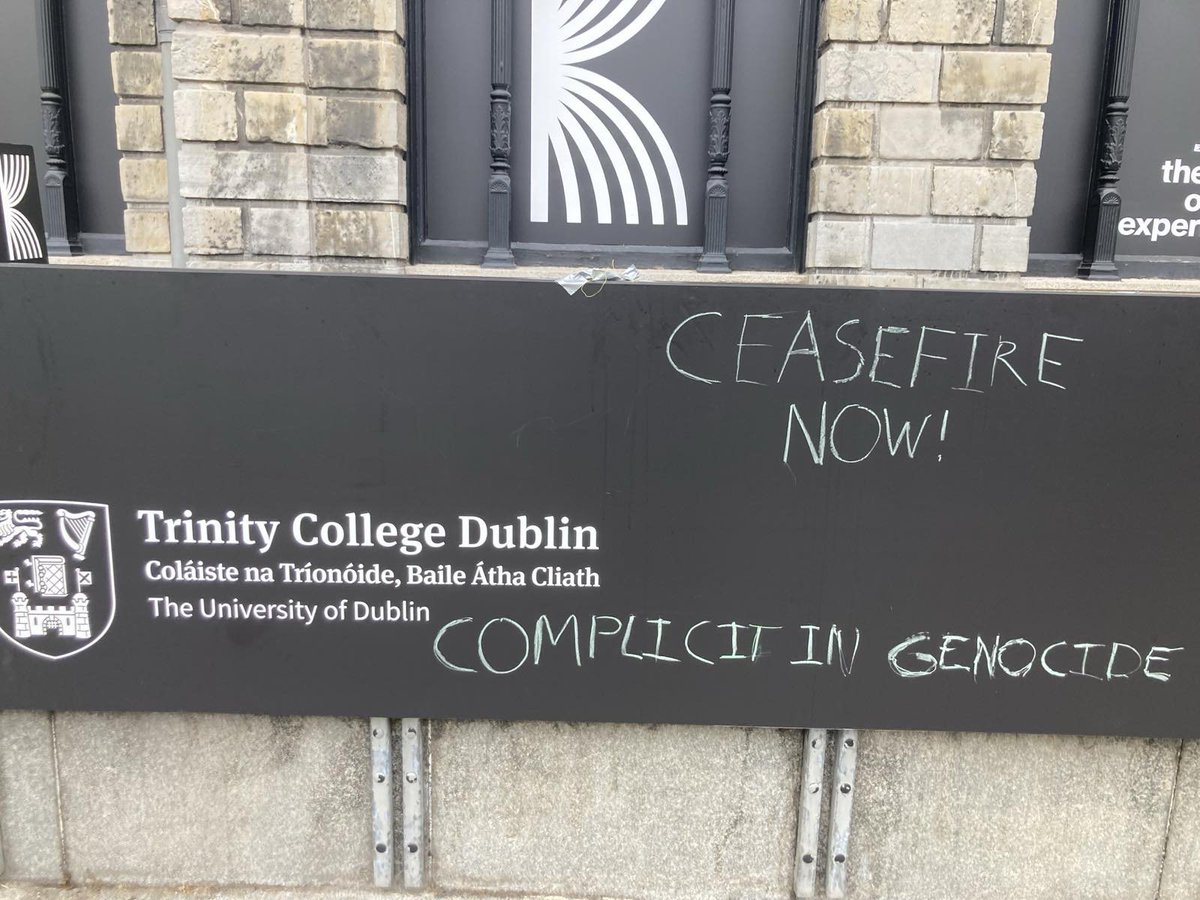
[{"x": 56, "y": 572}]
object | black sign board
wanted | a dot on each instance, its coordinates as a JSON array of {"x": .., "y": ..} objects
[
  {"x": 22, "y": 237},
  {"x": 484, "y": 498}
]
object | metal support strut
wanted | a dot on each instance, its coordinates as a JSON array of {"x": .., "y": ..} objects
[
  {"x": 845, "y": 760},
  {"x": 808, "y": 830},
  {"x": 414, "y": 789},
  {"x": 381, "y": 800}
]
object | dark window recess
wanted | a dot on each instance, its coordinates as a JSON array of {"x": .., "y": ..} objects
[{"x": 614, "y": 133}]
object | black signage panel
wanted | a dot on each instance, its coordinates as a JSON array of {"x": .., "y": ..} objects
[
  {"x": 22, "y": 236},
  {"x": 484, "y": 498}
]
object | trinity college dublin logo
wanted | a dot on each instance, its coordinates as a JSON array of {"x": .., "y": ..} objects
[{"x": 57, "y": 596}]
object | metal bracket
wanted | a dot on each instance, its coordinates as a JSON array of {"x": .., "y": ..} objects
[
  {"x": 381, "y": 800},
  {"x": 845, "y": 761},
  {"x": 414, "y": 788},
  {"x": 808, "y": 830}
]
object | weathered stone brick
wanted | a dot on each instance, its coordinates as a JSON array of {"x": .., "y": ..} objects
[
  {"x": 147, "y": 231},
  {"x": 1016, "y": 134},
  {"x": 984, "y": 191},
  {"x": 356, "y": 178},
  {"x": 870, "y": 73},
  {"x": 870, "y": 190},
  {"x": 137, "y": 73},
  {"x": 983, "y": 76},
  {"x": 365, "y": 63},
  {"x": 206, "y": 115},
  {"x": 131, "y": 22},
  {"x": 242, "y": 174},
  {"x": 843, "y": 132},
  {"x": 266, "y": 58},
  {"x": 851, "y": 20},
  {"x": 367, "y": 123},
  {"x": 1028, "y": 22},
  {"x": 285, "y": 118},
  {"x": 941, "y": 21},
  {"x": 144, "y": 179},
  {"x": 1004, "y": 248},
  {"x": 199, "y": 10},
  {"x": 927, "y": 246},
  {"x": 212, "y": 230},
  {"x": 836, "y": 244},
  {"x": 272, "y": 12},
  {"x": 373, "y": 233},
  {"x": 930, "y": 132},
  {"x": 279, "y": 232},
  {"x": 139, "y": 127},
  {"x": 353, "y": 15}
]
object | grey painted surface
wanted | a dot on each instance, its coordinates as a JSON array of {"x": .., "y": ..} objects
[
  {"x": 28, "y": 798},
  {"x": 1181, "y": 867},
  {"x": 101, "y": 207},
  {"x": 607, "y": 810},
  {"x": 163, "y": 798},
  {"x": 20, "y": 104},
  {"x": 1064, "y": 169},
  {"x": 955, "y": 816}
]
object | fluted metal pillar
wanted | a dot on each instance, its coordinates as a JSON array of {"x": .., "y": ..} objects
[
  {"x": 1104, "y": 198},
  {"x": 62, "y": 205},
  {"x": 716, "y": 191},
  {"x": 499, "y": 251}
]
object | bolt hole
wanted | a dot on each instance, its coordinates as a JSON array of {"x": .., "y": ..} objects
[
  {"x": 808, "y": 858},
  {"x": 839, "y": 858},
  {"x": 412, "y": 848},
  {"x": 814, "y": 744},
  {"x": 815, "y": 789},
  {"x": 411, "y": 778},
  {"x": 381, "y": 778},
  {"x": 381, "y": 848},
  {"x": 412, "y": 732},
  {"x": 845, "y": 788},
  {"x": 849, "y": 742}
]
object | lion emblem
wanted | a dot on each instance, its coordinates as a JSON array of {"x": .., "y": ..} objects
[{"x": 19, "y": 527}]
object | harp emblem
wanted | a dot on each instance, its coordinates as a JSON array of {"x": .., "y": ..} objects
[{"x": 57, "y": 588}]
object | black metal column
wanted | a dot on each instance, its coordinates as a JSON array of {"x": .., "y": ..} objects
[
  {"x": 499, "y": 252},
  {"x": 62, "y": 205},
  {"x": 716, "y": 191},
  {"x": 1104, "y": 198}
]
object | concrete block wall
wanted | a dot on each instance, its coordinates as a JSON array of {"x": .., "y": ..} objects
[
  {"x": 290, "y": 124},
  {"x": 928, "y": 122},
  {"x": 249, "y": 806}
]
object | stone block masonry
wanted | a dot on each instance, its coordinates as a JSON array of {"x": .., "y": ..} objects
[
  {"x": 290, "y": 125},
  {"x": 926, "y": 134}
]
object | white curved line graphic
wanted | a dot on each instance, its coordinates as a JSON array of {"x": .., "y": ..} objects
[
  {"x": 631, "y": 136},
  {"x": 21, "y": 237},
  {"x": 612, "y": 149},
  {"x": 561, "y": 40}
]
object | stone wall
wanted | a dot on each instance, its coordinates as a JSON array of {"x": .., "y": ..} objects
[
  {"x": 138, "y": 83},
  {"x": 277, "y": 807},
  {"x": 927, "y": 126},
  {"x": 290, "y": 125}
]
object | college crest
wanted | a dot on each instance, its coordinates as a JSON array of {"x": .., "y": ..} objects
[{"x": 57, "y": 591}]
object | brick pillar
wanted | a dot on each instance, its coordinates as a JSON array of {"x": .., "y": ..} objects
[
  {"x": 927, "y": 125},
  {"x": 291, "y": 122},
  {"x": 137, "y": 82}
]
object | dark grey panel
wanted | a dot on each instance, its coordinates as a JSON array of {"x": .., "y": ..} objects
[
  {"x": 20, "y": 109},
  {"x": 1065, "y": 167},
  {"x": 1164, "y": 125},
  {"x": 457, "y": 47},
  {"x": 101, "y": 208},
  {"x": 761, "y": 148}
]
